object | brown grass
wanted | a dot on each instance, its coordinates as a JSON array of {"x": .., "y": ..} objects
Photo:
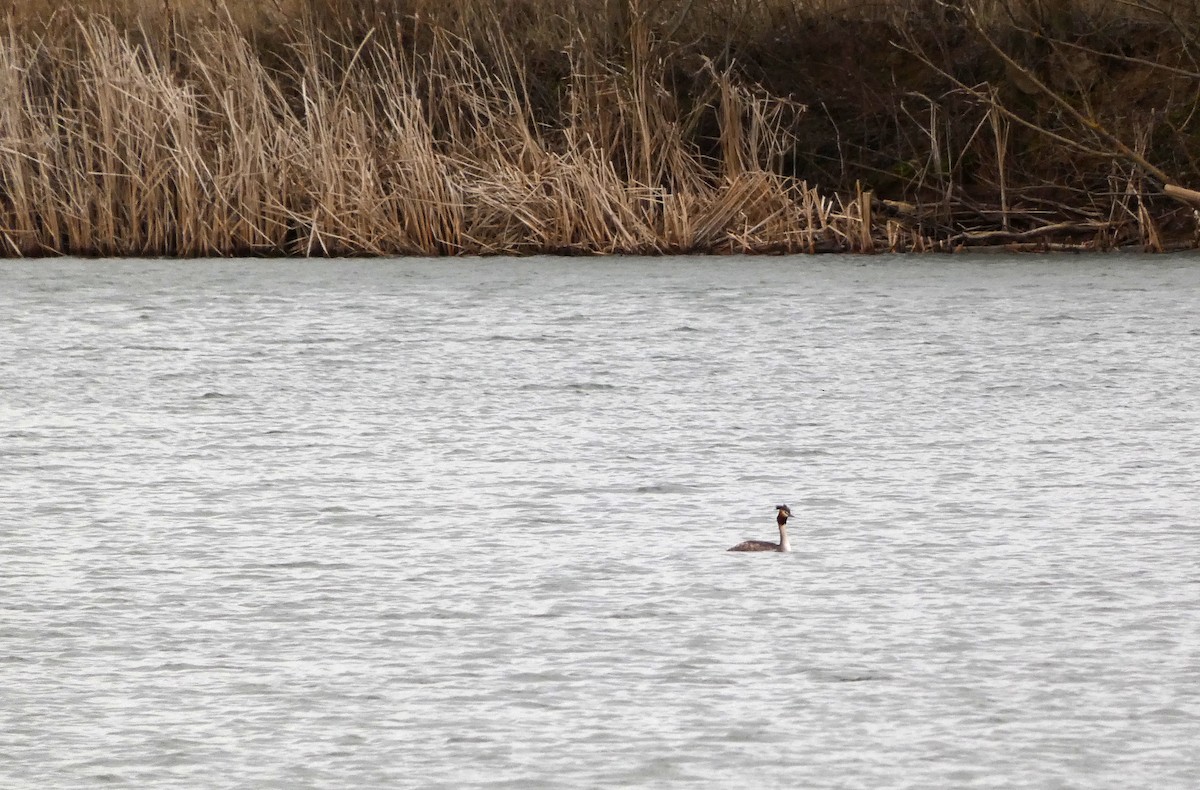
[
  {"x": 344, "y": 127},
  {"x": 118, "y": 144}
]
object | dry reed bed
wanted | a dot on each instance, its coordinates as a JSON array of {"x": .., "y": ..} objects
[
  {"x": 329, "y": 127},
  {"x": 108, "y": 149}
]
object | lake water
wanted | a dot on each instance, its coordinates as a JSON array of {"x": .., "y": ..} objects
[{"x": 450, "y": 524}]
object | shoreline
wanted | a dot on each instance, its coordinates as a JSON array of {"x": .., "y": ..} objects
[{"x": 297, "y": 128}]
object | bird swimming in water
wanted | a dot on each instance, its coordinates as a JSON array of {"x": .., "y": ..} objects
[{"x": 781, "y": 517}]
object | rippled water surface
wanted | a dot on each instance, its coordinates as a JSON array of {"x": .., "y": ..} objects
[{"x": 451, "y": 524}]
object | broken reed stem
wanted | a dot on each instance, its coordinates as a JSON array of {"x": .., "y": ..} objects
[{"x": 999, "y": 126}]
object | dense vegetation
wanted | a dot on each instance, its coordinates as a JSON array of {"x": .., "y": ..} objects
[{"x": 214, "y": 127}]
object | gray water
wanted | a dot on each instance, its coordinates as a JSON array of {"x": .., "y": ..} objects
[{"x": 456, "y": 524}]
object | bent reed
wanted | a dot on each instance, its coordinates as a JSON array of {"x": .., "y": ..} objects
[{"x": 543, "y": 126}]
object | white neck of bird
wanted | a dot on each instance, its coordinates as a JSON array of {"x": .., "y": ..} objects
[{"x": 783, "y": 541}]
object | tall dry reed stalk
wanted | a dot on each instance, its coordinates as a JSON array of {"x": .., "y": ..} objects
[{"x": 112, "y": 144}]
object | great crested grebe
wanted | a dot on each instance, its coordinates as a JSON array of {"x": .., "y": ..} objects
[{"x": 781, "y": 517}]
